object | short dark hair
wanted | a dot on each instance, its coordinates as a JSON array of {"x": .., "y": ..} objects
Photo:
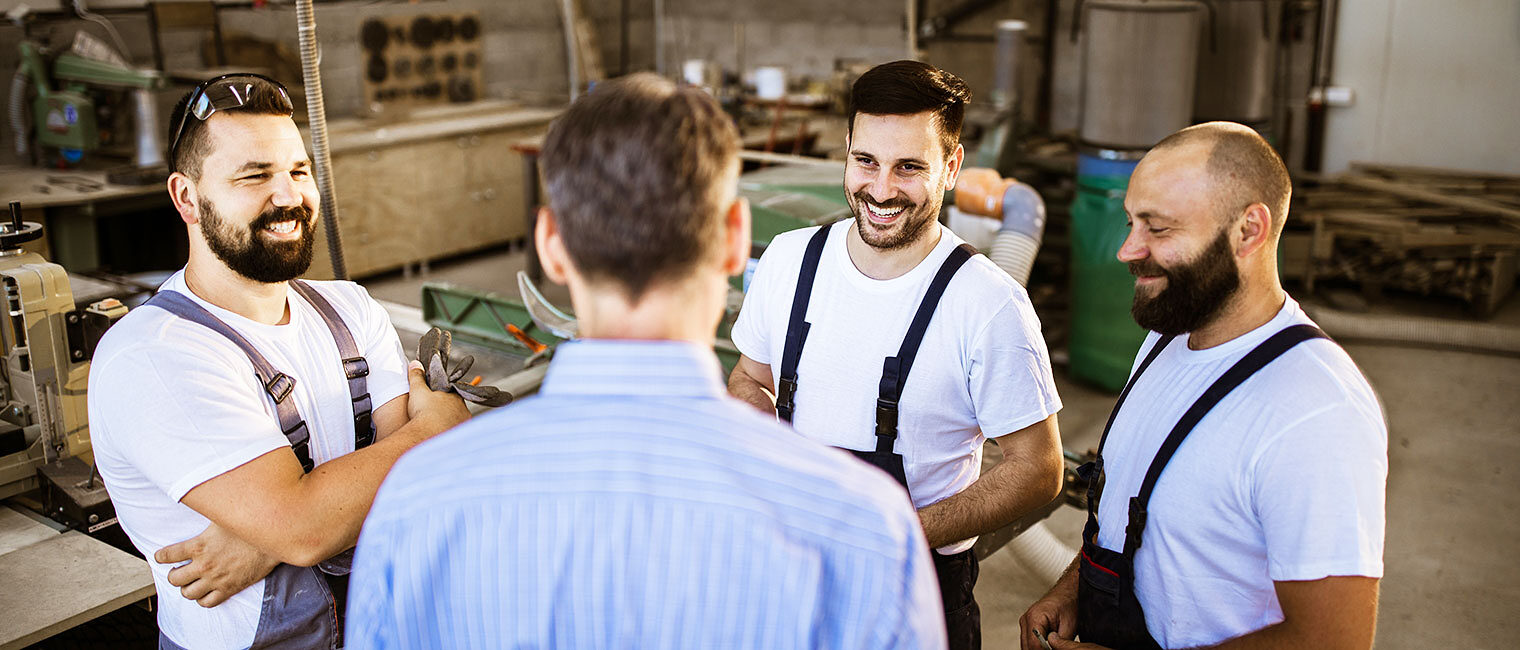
[
  {"x": 637, "y": 172},
  {"x": 194, "y": 146},
  {"x": 1244, "y": 167},
  {"x": 909, "y": 87}
]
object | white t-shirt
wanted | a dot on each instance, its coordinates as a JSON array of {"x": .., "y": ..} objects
[
  {"x": 982, "y": 368},
  {"x": 173, "y": 404},
  {"x": 1282, "y": 480}
]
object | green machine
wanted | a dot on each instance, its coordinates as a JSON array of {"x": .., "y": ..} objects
[
  {"x": 65, "y": 118},
  {"x": 781, "y": 199}
]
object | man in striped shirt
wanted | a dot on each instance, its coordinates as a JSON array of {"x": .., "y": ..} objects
[{"x": 633, "y": 503}]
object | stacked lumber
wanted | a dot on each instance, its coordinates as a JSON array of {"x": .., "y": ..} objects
[{"x": 1430, "y": 231}]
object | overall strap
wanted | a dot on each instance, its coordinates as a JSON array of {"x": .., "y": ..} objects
[
  {"x": 1096, "y": 470},
  {"x": 355, "y": 367},
  {"x": 894, "y": 372},
  {"x": 797, "y": 326},
  {"x": 1255, "y": 360},
  {"x": 277, "y": 385}
]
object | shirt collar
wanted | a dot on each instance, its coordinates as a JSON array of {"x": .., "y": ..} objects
[{"x": 626, "y": 367}]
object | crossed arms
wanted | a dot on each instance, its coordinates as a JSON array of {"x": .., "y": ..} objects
[{"x": 267, "y": 511}]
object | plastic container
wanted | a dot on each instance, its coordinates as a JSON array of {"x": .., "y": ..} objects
[{"x": 1104, "y": 337}]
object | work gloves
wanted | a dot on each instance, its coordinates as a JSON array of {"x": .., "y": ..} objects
[{"x": 447, "y": 375}]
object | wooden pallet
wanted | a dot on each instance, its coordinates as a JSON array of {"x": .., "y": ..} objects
[{"x": 1432, "y": 231}]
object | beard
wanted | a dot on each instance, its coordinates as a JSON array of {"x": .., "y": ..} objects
[
  {"x": 1195, "y": 292},
  {"x": 910, "y": 225},
  {"x": 258, "y": 258}
]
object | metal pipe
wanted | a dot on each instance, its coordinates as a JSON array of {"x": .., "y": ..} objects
[
  {"x": 1314, "y": 146},
  {"x": 572, "y": 53},
  {"x": 150, "y": 149},
  {"x": 659, "y": 37},
  {"x": 912, "y": 29},
  {"x": 1324, "y": 54},
  {"x": 316, "y": 113},
  {"x": 1005, "y": 67}
]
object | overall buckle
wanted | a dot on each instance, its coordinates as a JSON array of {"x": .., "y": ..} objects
[
  {"x": 280, "y": 386},
  {"x": 356, "y": 367},
  {"x": 1136, "y": 528},
  {"x": 784, "y": 391},
  {"x": 886, "y": 417}
]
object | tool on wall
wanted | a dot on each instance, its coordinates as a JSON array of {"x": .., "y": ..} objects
[{"x": 421, "y": 59}]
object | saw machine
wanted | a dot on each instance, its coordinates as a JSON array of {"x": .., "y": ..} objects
[{"x": 47, "y": 343}]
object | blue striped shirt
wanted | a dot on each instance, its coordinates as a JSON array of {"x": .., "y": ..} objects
[{"x": 634, "y": 504}]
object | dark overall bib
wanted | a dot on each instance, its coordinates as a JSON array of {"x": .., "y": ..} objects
[
  {"x": 1108, "y": 612},
  {"x": 301, "y": 605},
  {"x": 957, "y": 573}
]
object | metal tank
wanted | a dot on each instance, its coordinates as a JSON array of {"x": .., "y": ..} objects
[
  {"x": 1237, "y": 62},
  {"x": 1140, "y": 67}
]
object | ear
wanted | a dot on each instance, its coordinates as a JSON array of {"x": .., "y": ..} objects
[
  {"x": 1254, "y": 231},
  {"x": 953, "y": 168},
  {"x": 186, "y": 199},
  {"x": 736, "y": 237},
  {"x": 551, "y": 249}
]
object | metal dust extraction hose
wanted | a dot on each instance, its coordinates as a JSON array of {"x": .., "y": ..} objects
[{"x": 316, "y": 111}]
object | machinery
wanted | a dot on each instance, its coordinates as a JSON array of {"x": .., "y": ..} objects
[
  {"x": 781, "y": 199},
  {"x": 47, "y": 343},
  {"x": 1129, "y": 103},
  {"x": 66, "y": 118}
]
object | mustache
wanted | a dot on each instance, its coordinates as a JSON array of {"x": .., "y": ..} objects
[
  {"x": 1147, "y": 267},
  {"x": 297, "y": 213},
  {"x": 894, "y": 203}
]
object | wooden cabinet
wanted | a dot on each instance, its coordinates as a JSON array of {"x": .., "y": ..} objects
[{"x": 429, "y": 190}]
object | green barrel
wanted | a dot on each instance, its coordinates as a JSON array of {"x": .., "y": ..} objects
[{"x": 1104, "y": 338}]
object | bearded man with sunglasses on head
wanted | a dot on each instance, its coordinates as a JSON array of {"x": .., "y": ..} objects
[{"x": 242, "y": 419}]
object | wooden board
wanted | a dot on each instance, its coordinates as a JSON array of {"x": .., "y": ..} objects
[
  {"x": 60, "y": 580},
  {"x": 1438, "y": 172}
]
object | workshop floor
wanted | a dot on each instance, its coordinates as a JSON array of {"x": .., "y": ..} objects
[{"x": 1453, "y": 490}]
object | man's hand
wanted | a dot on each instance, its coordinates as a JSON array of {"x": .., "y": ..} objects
[
  {"x": 442, "y": 409},
  {"x": 303, "y": 518},
  {"x": 1054, "y": 615},
  {"x": 220, "y": 565}
]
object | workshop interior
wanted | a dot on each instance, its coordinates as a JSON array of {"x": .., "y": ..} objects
[{"x": 425, "y": 119}]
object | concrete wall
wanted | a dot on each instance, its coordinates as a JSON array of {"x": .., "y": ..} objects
[
  {"x": 808, "y": 37},
  {"x": 523, "y": 41},
  {"x": 524, "y": 45},
  {"x": 1436, "y": 83}
]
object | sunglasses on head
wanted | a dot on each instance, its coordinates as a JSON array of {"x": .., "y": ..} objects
[{"x": 222, "y": 93}]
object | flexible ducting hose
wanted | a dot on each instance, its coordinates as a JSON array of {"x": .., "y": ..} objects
[
  {"x": 1013, "y": 250},
  {"x": 1424, "y": 332},
  {"x": 1018, "y": 240},
  {"x": 316, "y": 111},
  {"x": 1041, "y": 553},
  {"x": 19, "y": 124}
]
